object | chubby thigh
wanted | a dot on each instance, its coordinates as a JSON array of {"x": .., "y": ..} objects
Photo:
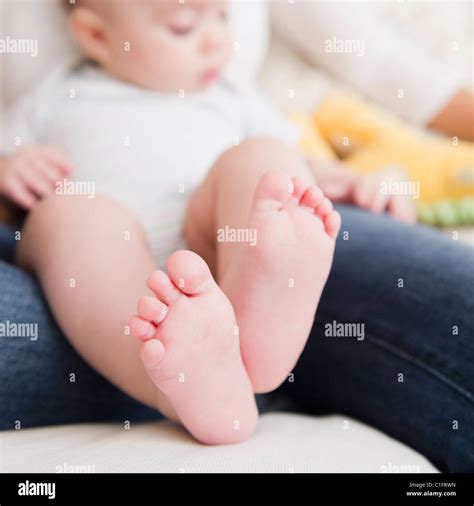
[{"x": 92, "y": 259}]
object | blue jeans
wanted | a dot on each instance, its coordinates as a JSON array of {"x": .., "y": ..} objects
[{"x": 410, "y": 373}]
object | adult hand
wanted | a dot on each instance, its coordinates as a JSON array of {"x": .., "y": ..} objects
[
  {"x": 378, "y": 192},
  {"x": 457, "y": 118},
  {"x": 383, "y": 191},
  {"x": 31, "y": 173}
]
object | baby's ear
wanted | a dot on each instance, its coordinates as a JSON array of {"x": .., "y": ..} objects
[{"x": 89, "y": 30}]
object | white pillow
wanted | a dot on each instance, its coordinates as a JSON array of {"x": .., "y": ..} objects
[{"x": 44, "y": 22}]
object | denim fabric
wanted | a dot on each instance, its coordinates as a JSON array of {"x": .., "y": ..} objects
[
  {"x": 410, "y": 376},
  {"x": 7, "y": 244}
]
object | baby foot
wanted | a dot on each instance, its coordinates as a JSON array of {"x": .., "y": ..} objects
[
  {"x": 275, "y": 285},
  {"x": 191, "y": 351}
]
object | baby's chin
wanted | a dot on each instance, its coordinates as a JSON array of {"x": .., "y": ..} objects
[
  {"x": 198, "y": 82},
  {"x": 148, "y": 81}
]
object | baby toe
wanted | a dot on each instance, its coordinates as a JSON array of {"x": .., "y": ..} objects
[
  {"x": 324, "y": 207},
  {"x": 161, "y": 285},
  {"x": 312, "y": 197},
  {"x": 141, "y": 329},
  {"x": 152, "y": 354},
  {"x": 151, "y": 309},
  {"x": 332, "y": 223}
]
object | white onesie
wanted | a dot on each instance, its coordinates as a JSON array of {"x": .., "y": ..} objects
[{"x": 146, "y": 149}]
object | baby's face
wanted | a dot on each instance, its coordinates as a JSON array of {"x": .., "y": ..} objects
[{"x": 166, "y": 45}]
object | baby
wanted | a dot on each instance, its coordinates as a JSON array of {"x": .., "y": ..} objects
[{"x": 165, "y": 152}]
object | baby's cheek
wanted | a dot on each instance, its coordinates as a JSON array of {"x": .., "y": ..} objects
[
  {"x": 228, "y": 52},
  {"x": 148, "y": 59},
  {"x": 178, "y": 61}
]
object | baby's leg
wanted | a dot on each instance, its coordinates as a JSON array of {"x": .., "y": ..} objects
[
  {"x": 275, "y": 271},
  {"x": 93, "y": 261},
  {"x": 92, "y": 276}
]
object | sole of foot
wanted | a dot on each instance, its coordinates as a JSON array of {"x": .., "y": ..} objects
[
  {"x": 275, "y": 283},
  {"x": 190, "y": 350}
]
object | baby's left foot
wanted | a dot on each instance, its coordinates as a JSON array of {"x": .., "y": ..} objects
[{"x": 275, "y": 284}]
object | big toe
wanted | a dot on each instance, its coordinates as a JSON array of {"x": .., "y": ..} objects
[
  {"x": 276, "y": 186},
  {"x": 189, "y": 272}
]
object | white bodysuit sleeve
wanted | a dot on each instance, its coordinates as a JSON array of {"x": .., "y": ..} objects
[
  {"x": 14, "y": 129},
  {"x": 22, "y": 122},
  {"x": 19, "y": 125},
  {"x": 360, "y": 50}
]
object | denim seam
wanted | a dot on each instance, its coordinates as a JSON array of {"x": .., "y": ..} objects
[{"x": 405, "y": 356}]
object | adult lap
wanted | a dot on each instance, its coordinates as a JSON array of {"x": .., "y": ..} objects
[
  {"x": 43, "y": 381},
  {"x": 409, "y": 286}
]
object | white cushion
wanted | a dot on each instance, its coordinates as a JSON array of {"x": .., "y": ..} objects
[
  {"x": 283, "y": 443},
  {"x": 42, "y": 21}
]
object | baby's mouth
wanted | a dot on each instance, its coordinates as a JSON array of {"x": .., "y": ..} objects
[{"x": 210, "y": 75}]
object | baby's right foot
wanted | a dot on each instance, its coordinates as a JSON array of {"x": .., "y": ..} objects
[{"x": 191, "y": 351}]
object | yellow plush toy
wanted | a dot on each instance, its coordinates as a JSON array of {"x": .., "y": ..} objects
[{"x": 367, "y": 139}]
